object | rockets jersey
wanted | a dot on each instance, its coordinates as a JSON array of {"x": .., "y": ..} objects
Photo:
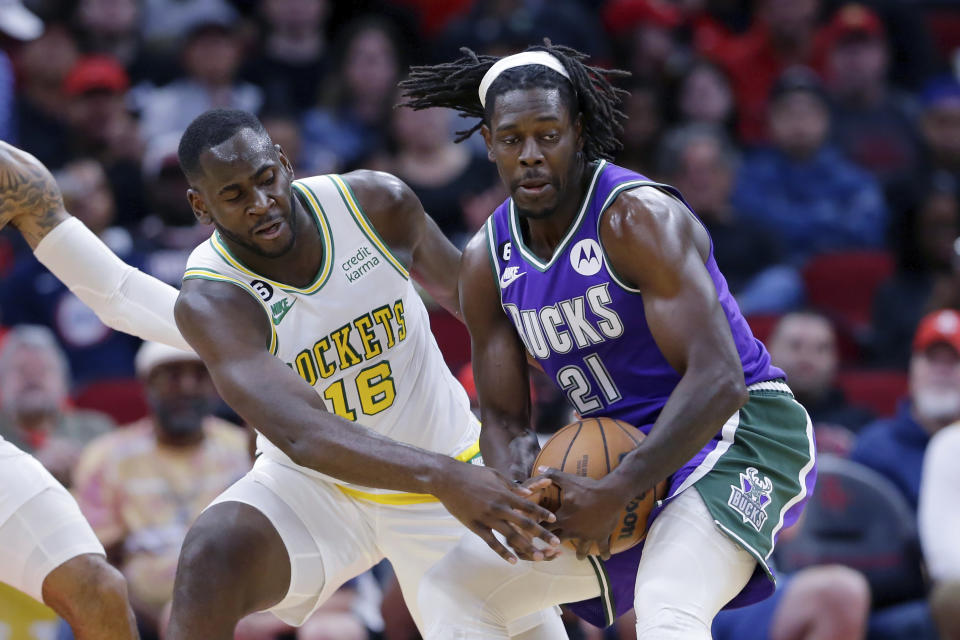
[
  {"x": 359, "y": 334},
  {"x": 584, "y": 325}
]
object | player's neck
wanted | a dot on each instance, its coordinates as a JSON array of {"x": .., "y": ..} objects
[{"x": 544, "y": 235}]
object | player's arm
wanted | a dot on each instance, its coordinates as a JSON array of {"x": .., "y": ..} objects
[
  {"x": 656, "y": 244},
  {"x": 499, "y": 367},
  {"x": 122, "y": 297},
  {"x": 411, "y": 234},
  {"x": 230, "y": 332}
]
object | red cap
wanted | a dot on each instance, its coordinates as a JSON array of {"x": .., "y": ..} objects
[
  {"x": 939, "y": 326},
  {"x": 622, "y": 15},
  {"x": 852, "y": 21},
  {"x": 92, "y": 73}
]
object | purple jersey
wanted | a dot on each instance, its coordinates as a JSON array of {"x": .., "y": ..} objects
[
  {"x": 585, "y": 326},
  {"x": 588, "y": 331}
]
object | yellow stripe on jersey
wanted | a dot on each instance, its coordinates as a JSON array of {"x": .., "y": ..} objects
[
  {"x": 325, "y": 269},
  {"x": 368, "y": 229},
  {"x": 197, "y": 273},
  {"x": 401, "y": 499}
]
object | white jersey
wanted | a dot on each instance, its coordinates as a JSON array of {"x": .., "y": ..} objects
[{"x": 359, "y": 334}]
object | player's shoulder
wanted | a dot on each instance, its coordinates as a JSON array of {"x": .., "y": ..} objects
[
  {"x": 379, "y": 190},
  {"x": 645, "y": 213}
]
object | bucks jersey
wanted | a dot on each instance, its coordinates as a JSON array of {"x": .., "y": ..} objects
[
  {"x": 358, "y": 334},
  {"x": 584, "y": 324}
]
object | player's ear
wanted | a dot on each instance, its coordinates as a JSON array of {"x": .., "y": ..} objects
[
  {"x": 199, "y": 206},
  {"x": 284, "y": 160},
  {"x": 488, "y": 139}
]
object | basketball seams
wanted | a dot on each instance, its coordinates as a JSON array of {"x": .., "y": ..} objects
[
  {"x": 627, "y": 432},
  {"x": 563, "y": 461},
  {"x": 603, "y": 438}
]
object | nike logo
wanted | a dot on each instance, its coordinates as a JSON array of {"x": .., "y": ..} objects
[
  {"x": 509, "y": 275},
  {"x": 279, "y": 309}
]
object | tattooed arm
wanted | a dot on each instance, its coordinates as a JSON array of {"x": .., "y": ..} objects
[
  {"x": 30, "y": 199},
  {"x": 123, "y": 298}
]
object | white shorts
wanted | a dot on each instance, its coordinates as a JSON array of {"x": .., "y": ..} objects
[
  {"x": 41, "y": 526},
  {"x": 331, "y": 537}
]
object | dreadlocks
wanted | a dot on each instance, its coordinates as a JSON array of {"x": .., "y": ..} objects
[{"x": 589, "y": 91}]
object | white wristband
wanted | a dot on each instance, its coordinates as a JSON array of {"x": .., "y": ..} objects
[{"x": 124, "y": 298}]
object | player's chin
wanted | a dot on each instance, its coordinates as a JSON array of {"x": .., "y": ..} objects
[
  {"x": 538, "y": 207},
  {"x": 275, "y": 247}
]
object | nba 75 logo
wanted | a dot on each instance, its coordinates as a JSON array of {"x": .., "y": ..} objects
[{"x": 751, "y": 498}]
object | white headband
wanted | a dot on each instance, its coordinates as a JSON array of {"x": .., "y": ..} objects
[{"x": 519, "y": 60}]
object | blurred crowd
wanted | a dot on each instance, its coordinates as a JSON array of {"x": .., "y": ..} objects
[{"x": 817, "y": 140}]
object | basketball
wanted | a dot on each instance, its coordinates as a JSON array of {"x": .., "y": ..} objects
[{"x": 593, "y": 447}]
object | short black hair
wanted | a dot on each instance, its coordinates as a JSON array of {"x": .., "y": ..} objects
[
  {"x": 589, "y": 92},
  {"x": 210, "y": 129}
]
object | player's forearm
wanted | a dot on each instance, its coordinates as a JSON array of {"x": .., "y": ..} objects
[
  {"x": 696, "y": 410},
  {"x": 123, "y": 297},
  {"x": 507, "y": 446},
  {"x": 296, "y": 421}
]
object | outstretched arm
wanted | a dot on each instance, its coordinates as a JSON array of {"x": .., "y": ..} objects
[{"x": 124, "y": 298}]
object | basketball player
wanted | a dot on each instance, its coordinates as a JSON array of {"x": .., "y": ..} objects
[
  {"x": 609, "y": 281},
  {"x": 47, "y": 549},
  {"x": 249, "y": 569}
]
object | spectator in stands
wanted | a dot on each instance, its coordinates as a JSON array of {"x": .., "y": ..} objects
[
  {"x": 701, "y": 162},
  {"x": 142, "y": 486},
  {"x": 642, "y": 128},
  {"x": 804, "y": 345},
  {"x": 112, "y": 27},
  {"x": 646, "y": 33},
  {"x": 165, "y": 21},
  {"x": 705, "y": 96},
  {"x": 102, "y": 127},
  {"x": 895, "y": 446},
  {"x": 443, "y": 174},
  {"x": 874, "y": 125},
  {"x": 291, "y": 63},
  {"x": 35, "y": 416},
  {"x": 349, "y": 123},
  {"x": 18, "y": 23},
  {"x": 940, "y": 124},
  {"x": 939, "y": 522},
  {"x": 782, "y": 35},
  {"x": 34, "y": 296},
  {"x": 41, "y": 66},
  {"x": 170, "y": 232},
  {"x": 803, "y": 189},
  {"x": 211, "y": 55},
  {"x": 928, "y": 270}
]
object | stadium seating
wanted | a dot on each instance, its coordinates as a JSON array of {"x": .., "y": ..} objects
[
  {"x": 842, "y": 285},
  {"x": 878, "y": 390},
  {"x": 857, "y": 518},
  {"x": 121, "y": 399}
]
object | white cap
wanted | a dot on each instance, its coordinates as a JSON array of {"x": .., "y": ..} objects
[
  {"x": 18, "y": 22},
  {"x": 153, "y": 354}
]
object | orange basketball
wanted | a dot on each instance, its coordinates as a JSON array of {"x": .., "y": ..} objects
[{"x": 593, "y": 447}]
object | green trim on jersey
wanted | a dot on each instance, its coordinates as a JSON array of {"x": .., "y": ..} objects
[
  {"x": 326, "y": 237},
  {"x": 360, "y": 217},
  {"x": 626, "y": 186},
  {"x": 529, "y": 255},
  {"x": 200, "y": 273},
  {"x": 490, "y": 231}
]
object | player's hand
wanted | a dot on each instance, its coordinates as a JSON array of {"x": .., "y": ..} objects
[
  {"x": 486, "y": 501},
  {"x": 588, "y": 511}
]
